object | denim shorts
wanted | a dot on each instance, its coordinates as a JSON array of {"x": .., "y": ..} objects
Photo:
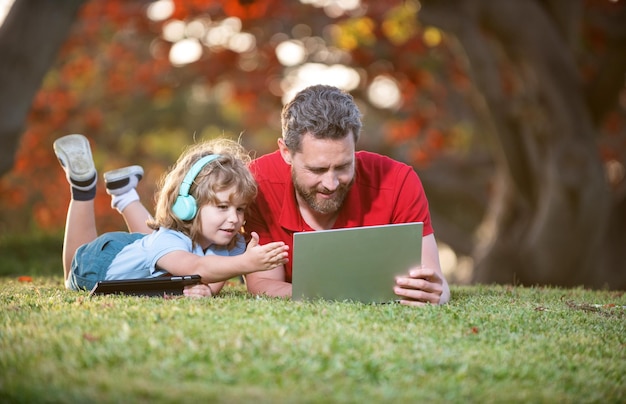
[{"x": 92, "y": 260}]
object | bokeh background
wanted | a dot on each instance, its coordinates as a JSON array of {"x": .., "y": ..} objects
[{"x": 512, "y": 112}]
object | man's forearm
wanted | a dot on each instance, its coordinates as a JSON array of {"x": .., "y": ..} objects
[{"x": 269, "y": 287}]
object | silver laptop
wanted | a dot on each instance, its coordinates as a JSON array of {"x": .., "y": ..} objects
[{"x": 356, "y": 264}]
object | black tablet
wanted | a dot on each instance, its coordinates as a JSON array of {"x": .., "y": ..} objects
[{"x": 161, "y": 286}]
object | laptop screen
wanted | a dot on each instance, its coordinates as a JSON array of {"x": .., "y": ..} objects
[{"x": 357, "y": 264}]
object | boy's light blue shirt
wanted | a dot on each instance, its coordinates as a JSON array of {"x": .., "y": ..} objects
[{"x": 138, "y": 259}]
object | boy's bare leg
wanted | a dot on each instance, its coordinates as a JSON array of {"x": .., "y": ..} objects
[
  {"x": 136, "y": 215},
  {"x": 121, "y": 184},
  {"x": 74, "y": 154},
  {"x": 80, "y": 228}
]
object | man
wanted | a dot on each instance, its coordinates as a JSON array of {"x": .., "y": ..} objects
[{"x": 316, "y": 181}]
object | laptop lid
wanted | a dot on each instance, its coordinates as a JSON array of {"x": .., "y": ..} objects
[
  {"x": 163, "y": 285},
  {"x": 358, "y": 264}
]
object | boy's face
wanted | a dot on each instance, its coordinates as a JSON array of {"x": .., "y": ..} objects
[
  {"x": 221, "y": 221},
  {"x": 322, "y": 171}
]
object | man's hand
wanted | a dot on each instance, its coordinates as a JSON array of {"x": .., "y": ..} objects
[{"x": 422, "y": 286}]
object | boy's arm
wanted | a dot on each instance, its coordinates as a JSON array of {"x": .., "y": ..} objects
[{"x": 216, "y": 268}]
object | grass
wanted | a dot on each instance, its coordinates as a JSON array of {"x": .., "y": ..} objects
[{"x": 490, "y": 344}]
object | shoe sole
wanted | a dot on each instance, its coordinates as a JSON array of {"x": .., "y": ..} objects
[
  {"x": 122, "y": 180},
  {"x": 123, "y": 173},
  {"x": 74, "y": 153}
]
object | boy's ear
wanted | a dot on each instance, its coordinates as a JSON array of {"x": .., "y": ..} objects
[{"x": 284, "y": 151}]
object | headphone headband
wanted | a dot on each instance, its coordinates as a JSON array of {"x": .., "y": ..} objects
[
  {"x": 185, "y": 206},
  {"x": 193, "y": 173}
]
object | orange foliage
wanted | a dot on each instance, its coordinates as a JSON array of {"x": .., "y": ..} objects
[
  {"x": 402, "y": 131},
  {"x": 247, "y": 9},
  {"x": 113, "y": 80}
]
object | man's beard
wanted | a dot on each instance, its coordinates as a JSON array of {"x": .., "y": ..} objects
[{"x": 324, "y": 206}]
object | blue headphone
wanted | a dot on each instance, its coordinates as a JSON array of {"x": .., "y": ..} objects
[{"x": 185, "y": 206}]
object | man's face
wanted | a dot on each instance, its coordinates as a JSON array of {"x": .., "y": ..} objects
[{"x": 322, "y": 172}]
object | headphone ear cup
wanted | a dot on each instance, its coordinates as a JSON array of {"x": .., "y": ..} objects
[{"x": 185, "y": 207}]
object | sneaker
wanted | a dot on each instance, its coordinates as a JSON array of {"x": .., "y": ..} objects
[
  {"x": 74, "y": 154},
  {"x": 122, "y": 180}
]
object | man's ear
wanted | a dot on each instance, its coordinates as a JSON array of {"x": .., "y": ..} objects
[{"x": 284, "y": 151}]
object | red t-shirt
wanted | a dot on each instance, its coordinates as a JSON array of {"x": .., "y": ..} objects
[{"x": 385, "y": 191}]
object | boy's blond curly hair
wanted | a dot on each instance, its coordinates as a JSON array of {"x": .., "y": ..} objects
[{"x": 230, "y": 170}]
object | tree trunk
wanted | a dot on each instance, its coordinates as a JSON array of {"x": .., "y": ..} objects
[
  {"x": 30, "y": 38},
  {"x": 551, "y": 207}
]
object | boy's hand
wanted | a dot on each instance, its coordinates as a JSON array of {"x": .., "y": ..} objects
[
  {"x": 198, "y": 290},
  {"x": 268, "y": 256}
]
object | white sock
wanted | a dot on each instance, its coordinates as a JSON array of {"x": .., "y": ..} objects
[{"x": 120, "y": 202}]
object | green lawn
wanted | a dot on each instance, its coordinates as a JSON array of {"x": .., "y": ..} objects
[{"x": 490, "y": 344}]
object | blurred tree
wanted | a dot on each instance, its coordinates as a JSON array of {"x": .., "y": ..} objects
[
  {"x": 553, "y": 218},
  {"x": 496, "y": 107},
  {"x": 29, "y": 41}
]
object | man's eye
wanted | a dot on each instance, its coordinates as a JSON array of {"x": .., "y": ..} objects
[{"x": 344, "y": 167}]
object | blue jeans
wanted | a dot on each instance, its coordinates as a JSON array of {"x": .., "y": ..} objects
[{"x": 92, "y": 260}]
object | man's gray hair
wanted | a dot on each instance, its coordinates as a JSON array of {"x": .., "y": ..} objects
[{"x": 325, "y": 112}]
